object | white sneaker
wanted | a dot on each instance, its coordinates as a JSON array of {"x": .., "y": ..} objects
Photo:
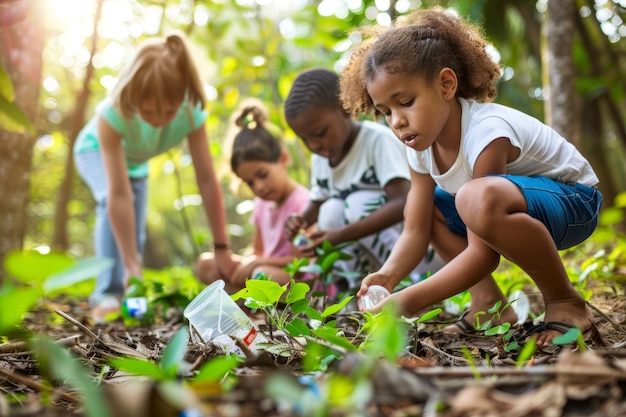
[{"x": 106, "y": 310}]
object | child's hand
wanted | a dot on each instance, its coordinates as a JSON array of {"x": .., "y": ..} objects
[
  {"x": 293, "y": 224},
  {"x": 375, "y": 278}
]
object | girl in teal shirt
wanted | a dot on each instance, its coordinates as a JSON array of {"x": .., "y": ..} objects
[{"x": 157, "y": 102}]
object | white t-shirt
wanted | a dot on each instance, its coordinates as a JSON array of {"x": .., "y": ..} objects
[
  {"x": 375, "y": 158},
  {"x": 543, "y": 150}
]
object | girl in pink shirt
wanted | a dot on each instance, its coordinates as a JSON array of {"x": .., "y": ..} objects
[{"x": 259, "y": 159}]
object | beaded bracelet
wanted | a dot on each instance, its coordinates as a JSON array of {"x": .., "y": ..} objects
[{"x": 221, "y": 246}]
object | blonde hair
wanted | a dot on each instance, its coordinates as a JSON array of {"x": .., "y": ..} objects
[{"x": 163, "y": 69}]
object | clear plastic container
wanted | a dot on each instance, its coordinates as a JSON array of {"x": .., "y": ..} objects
[
  {"x": 374, "y": 295},
  {"x": 213, "y": 314}
]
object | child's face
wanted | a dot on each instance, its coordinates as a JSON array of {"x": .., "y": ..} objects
[
  {"x": 417, "y": 111},
  {"x": 149, "y": 112},
  {"x": 267, "y": 180},
  {"x": 325, "y": 131}
]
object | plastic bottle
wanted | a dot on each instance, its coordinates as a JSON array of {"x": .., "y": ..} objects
[
  {"x": 134, "y": 307},
  {"x": 374, "y": 295},
  {"x": 302, "y": 239}
]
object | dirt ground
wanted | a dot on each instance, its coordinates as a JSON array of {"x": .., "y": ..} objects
[{"x": 448, "y": 375}]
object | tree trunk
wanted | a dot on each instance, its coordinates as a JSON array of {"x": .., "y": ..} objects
[
  {"x": 60, "y": 240},
  {"x": 561, "y": 109},
  {"x": 21, "y": 44}
]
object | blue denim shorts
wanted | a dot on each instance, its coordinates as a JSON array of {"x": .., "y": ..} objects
[{"x": 568, "y": 210}]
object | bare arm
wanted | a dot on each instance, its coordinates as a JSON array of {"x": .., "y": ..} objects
[
  {"x": 119, "y": 198},
  {"x": 472, "y": 264},
  {"x": 385, "y": 216},
  {"x": 413, "y": 242},
  {"x": 212, "y": 197}
]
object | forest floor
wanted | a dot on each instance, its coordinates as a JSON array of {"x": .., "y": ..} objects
[{"x": 448, "y": 375}]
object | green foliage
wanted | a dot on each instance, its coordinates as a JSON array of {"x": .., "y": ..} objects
[
  {"x": 12, "y": 119},
  {"x": 386, "y": 334},
  {"x": 167, "y": 368},
  {"x": 39, "y": 275},
  {"x": 56, "y": 364}
]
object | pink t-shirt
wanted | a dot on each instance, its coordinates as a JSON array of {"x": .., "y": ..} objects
[{"x": 270, "y": 221}]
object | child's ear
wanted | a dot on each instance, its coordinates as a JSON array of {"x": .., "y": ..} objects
[
  {"x": 284, "y": 157},
  {"x": 448, "y": 82}
]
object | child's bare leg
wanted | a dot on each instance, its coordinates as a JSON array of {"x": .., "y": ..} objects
[
  {"x": 495, "y": 209},
  {"x": 485, "y": 293},
  {"x": 207, "y": 272},
  {"x": 206, "y": 268}
]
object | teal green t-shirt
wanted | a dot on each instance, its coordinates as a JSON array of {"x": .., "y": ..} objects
[{"x": 141, "y": 141}]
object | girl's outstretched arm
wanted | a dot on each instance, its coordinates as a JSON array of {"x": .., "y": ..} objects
[
  {"x": 413, "y": 242},
  {"x": 212, "y": 197}
]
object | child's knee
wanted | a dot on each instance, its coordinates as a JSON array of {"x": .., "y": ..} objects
[{"x": 205, "y": 268}]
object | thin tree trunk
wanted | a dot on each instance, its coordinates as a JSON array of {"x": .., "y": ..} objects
[
  {"x": 21, "y": 44},
  {"x": 60, "y": 240},
  {"x": 561, "y": 109}
]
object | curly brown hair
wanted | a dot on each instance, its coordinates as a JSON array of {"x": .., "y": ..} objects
[{"x": 422, "y": 42}]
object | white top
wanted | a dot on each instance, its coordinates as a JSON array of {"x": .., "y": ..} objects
[
  {"x": 375, "y": 158},
  {"x": 543, "y": 150}
]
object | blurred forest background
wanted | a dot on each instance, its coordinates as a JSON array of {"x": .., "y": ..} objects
[{"x": 564, "y": 62}]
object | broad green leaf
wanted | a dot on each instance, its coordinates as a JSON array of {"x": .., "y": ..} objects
[
  {"x": 215, "y": 369},
  {"x": 330, "y": 310},
  {"x": 60, "y": 365},
  {"x": 570, "y": 336},
  {"x": 14, "y": 303},
  {"x": 79, "y": 271},
  {"x": 6, "y": 86},
  {"x": 12, "y": 119},
  {"x": 265, "y": 292},
  {"x": 32, "y": 266},
  {"x": 174, "y": 353},
  {"x": 299, "y": 306},
  {"x": 297, "y": 292},
  {"x": 429, "y": 315},
  {"x": 297, "y": 327},
  {"x": 138, "y": 366},
  {"x": 330, "y": 335}
]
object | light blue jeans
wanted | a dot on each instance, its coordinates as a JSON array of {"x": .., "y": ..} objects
[{"x": 91, "y": 168}]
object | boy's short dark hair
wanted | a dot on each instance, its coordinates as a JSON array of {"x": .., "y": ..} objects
[{"x": 315, "y": 87}]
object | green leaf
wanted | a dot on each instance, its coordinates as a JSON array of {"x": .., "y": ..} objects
[
  {"x": 297, "y": 327},
  {"x": 215, "y": 369},
  {"x": 495, "y": 307},
  {"x": 174, "y": 353},
  {"x": 297, "y": 292},
  {"x": 12, "y": 119},
  {"x": 6, "y": 86},
  {"x": 265, "y": 292},
  {"x": 79, "y": 271},
  {"x": 313, "y": 313},
  {"x": 328, "y": 262},
  {"x": 299, "y": 306},
  {"x": 60, "y": 365},
  {"x": 330, "y": 335},
  {"x": 32, "y": 266},
  {"x": 569, "y": 337},
  {"x": 138, "y": 366},
  {"x": 14, "y": 303},
  {"x": 336, "y": 307},
  {"x": 527, "y": 352},
  {"x": 429, "y": 315}
]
